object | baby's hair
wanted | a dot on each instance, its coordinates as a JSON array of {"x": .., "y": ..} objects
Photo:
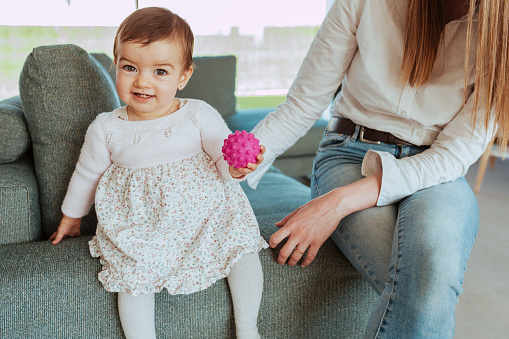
[{"x": 151, "y": 24}]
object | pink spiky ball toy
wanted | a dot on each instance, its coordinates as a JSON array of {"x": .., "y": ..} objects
[{"x": 241, "y": 148}]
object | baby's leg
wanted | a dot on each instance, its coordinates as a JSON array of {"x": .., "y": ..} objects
[
  {"x": 246, "y": 286},
  {"x": 137, "y": 315}
]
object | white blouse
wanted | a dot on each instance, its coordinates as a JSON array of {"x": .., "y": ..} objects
[{"x": 360, "y": 44}]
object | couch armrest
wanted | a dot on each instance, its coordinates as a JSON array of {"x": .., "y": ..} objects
[
  {"x": 20, "y": 219},
  {"x": 14, "y": 137}
]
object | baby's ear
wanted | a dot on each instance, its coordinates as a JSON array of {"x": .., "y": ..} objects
[{"x": 185, "y": 76}]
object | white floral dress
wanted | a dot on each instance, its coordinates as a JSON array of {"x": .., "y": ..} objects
[{"x": 177, "y": 226}]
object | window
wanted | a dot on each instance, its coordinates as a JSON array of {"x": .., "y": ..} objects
[{"x": 269, "y": 37}]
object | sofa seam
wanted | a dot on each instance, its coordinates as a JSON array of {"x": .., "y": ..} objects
[{"x": 29, "y": 235}]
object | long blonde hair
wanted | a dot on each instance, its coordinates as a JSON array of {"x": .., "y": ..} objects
[
  {"x": 491, "y": 100},
  {"x": 425, "y": 22}
]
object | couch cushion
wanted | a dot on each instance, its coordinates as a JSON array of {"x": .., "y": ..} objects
[
  {"x": 20, "y": 219},
  {"x": 213, "y": 81},
  {"x": 62, "y": 89},
  {"x": 107, "y": 62},
  {"x": 276, "y": 193},
  {"x": 46, "y": 285},
  {"x": 14, "y": 136}
]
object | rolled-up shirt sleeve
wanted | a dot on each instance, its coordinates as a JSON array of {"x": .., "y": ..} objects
[{"x": 457, "y": 147}]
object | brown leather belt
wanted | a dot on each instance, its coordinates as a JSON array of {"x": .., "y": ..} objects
[{"x": 347, "y": 126}]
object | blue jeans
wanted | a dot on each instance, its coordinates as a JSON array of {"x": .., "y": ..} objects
[{"x": 414, "y": 253}]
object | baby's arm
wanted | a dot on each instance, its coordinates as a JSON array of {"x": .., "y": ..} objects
[
  {"x": 93, "y": 162},
  {"x": 213, "y": 131}
]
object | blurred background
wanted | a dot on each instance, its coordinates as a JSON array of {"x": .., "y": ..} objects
[{"x": 269, "y": 37}]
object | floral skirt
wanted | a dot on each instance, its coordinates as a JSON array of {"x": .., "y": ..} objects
[{"x": 177, "y": 226}]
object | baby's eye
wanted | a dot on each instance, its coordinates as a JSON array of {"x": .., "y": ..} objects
[
  {"x": 161, "y": 72},
  {"x": 129, "y": 68}
]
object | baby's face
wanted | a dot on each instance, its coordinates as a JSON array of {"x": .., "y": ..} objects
[{"x": 148, "y": 76}]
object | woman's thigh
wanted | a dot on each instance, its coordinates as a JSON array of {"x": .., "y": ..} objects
[
  {"x": 434, "y": 234},
  {"x": 436, "y": 231}
]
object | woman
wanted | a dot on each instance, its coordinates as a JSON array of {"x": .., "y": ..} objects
[{"x": 424, "y": 86}]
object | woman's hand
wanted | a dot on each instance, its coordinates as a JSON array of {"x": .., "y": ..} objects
[
  {"x": 69, "y": 227},
  {"x": 310, "y": 225},
  {"x": 240, "y": 173},
  {"x": 307, "y": 228}
]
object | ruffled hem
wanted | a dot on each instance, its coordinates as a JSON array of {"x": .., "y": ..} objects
[{"x": 180, "y": 283}]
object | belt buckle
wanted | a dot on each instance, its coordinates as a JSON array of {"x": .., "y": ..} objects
[{"x": 361, "y": 137}]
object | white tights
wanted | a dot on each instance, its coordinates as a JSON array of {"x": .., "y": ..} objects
[{"x": 137, "y": 314}]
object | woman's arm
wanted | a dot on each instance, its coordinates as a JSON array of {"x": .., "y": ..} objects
[
  {"x": 319, "y": 77},
  {"x": 311, "y": 224}
]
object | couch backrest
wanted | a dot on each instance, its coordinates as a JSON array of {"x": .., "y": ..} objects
[
  {"x": 62, "y": 89},
  {"x": 213, "y": 80}
]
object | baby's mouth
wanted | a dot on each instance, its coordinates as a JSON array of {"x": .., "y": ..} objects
[{"x": 142, "y": 95}]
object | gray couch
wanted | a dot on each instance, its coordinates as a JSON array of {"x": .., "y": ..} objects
[{"x": 51, "y": 291}]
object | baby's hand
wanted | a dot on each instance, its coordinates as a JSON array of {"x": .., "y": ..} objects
[
  {"x": 69, "y": 227},
  {"x": 240, "y": 173}
]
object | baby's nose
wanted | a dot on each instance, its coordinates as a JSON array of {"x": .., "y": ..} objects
[{"x": 142, "y": 80}]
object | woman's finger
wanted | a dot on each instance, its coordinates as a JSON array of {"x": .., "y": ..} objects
[
  {"x": 286, "y": 251},
  {"x": 285, "y": 220},
  {"x": 279, "y": 236},
  {"x": 310, "y": 255},
  {"x": 297, "y": 254}
]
